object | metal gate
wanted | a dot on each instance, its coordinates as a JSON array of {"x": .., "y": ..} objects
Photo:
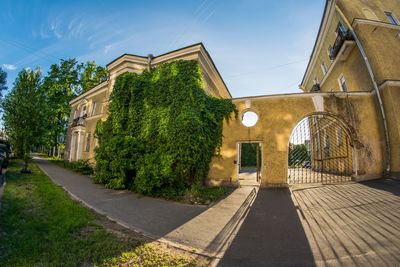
[{"x": 320, "y": 151}]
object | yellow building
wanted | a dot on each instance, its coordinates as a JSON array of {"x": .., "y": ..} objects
[
  {"x": 352, "y": 82},
  {"x": 91, "y": 106},
  {"x": 358, "y": 50},
  {"x": 346, "y": 116}
]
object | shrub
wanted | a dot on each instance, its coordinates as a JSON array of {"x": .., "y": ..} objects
[{"x": 162, "y": 131}]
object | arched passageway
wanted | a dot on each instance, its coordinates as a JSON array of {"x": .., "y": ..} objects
[{"x": 320, "y": 151}]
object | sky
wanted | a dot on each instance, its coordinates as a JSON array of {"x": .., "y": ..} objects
[{"x": 260, "y": 47}]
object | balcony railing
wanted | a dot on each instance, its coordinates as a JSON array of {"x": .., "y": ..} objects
[
  {"x": 340, "y": 39},
  {"x": 80, "y": 121}
]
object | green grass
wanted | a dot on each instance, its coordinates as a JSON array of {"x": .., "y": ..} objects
[
  {"x": 204, "y": 195},
  {"x": 41, "y": 225}
]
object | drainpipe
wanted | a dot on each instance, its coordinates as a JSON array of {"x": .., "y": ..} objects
[
  {"x": 149, "y": 58},
  {"x": 375, "y": 86}
]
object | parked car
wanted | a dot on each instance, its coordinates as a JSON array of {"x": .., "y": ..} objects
[
  {"x": 306, "y": 164},
  {"x": 4, "y": 155}
]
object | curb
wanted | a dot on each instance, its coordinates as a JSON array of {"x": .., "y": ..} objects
[{"x": 233, "y": 226}]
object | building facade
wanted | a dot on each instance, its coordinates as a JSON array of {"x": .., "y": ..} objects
[
  {"x": 92, "y": 106},
  {"x": 348, "y": 107}
]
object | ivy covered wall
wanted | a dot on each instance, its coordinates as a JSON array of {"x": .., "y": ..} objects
[{"x": 162, "y": 131}]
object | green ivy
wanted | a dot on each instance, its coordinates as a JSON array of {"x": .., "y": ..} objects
[{"x": 161, "y": 132}]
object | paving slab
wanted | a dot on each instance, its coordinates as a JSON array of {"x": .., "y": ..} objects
[{"x": 350, "y": 224}]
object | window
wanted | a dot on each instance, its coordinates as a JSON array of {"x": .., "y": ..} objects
[
  {"x": 369, "y": 14},
  {"x": 75, "y": 113},
  {"x": 324, "y": 68},
  {"x": 342, "y": 83},
  {"x": 249, "y": 118},
  {"x": 93, "y": 109},
  {"x": 87, "y": 148},
  {"x": 340, "y": 30},
  {"x": 339, "y": 136},
  {"x": 316, "y": 81},
  {"x": 392, "y": 18},
  {"x": 83, "y": 112},
  {"x": 326, "y": 148}
]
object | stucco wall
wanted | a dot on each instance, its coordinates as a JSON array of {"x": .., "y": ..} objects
[{"x": 278, "y": 115}]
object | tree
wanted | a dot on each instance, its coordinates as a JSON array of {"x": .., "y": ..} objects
[
  {"x": 60, "y": 86},
  {"x": 23, "y": 113},
  {"x": 64, "y": 82},
  {"x": 3, "y": 81},
  {"x": 298, "y": 154},
  {"x": 91, "y": 75}
]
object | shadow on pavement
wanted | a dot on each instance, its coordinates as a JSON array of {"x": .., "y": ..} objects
[
  {"x": 389, "y": 185},
  {"x": 271, "y": 234}
]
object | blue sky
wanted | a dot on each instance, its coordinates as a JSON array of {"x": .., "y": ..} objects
[{"x": 259, "y": 47}]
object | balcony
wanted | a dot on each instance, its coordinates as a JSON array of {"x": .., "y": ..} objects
[
  {"x": 80, "y": 121},
  {"x": 342, "y": 47}
]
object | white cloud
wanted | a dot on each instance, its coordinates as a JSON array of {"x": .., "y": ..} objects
[
  {"x": 107, "y": 48},
  {"x": 9, "y": 67},
  {"x": 55, "y": 29}
]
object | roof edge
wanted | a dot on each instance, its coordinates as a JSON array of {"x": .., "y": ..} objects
[{"x": 318, "y": 37}]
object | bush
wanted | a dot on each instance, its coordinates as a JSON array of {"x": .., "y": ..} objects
[
  {"x": 82, "y": 166},
  {"x": 162, "y": 131}
]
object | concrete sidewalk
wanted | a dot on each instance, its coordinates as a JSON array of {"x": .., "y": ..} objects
[{"x": 205, "y": 230}]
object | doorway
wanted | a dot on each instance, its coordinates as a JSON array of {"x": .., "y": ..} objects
[{"x": 249, "y": 163}]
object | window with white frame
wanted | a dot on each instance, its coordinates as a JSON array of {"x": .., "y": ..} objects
[
  {"x": 93, "y": 109},
  {"x": 342, "y": 83},
  {"x": 392, "y": 18},
  {"x": 324, "y": 67}
]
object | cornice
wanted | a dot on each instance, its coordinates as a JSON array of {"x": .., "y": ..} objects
[{"x": 90, "y": 92}]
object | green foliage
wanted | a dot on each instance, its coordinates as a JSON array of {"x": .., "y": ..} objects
[
  {"x": 249, "y": 155},
  {"x": 3, "y": 81},
  {"x": 23, "y": 111},
  {"x": 64, "y": 82},
  {"x": 91, "y": 75},
  {"x": 161, "y": 132},
  {"x": 81, "y": 166},
  {"x": 42, "y": 226},
  {"x": 298, "y": 154},
  {"x": 205, "y": 194}
]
